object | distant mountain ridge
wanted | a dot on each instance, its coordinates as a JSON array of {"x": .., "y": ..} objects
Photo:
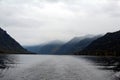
[
  {"x": 67, "y": 48},
  {"x": 9, "y": 45},
  {"x": 61, "y": 48},
  {"x": 84, "y": 43},
  {"x": 50, "y": 48},
  {"x": 34, "y": 49},
  {"x": 109, "y": 44},
  {"x": 47, "y": 48},
  {"x": 76, "y": 44}
]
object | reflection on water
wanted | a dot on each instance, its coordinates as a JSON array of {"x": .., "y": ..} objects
[
  {"x": 107, "y": 63},
  {"x": 6, "y": 62}
]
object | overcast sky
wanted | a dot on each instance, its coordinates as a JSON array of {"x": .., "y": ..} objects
[{"x": 37, "y": 21}]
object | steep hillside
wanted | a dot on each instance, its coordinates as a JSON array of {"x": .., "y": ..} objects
[
  {"x": 84, "y": 43},
  {"x": 109, "y": 44},
  {"x": 8, "y": 44},
  {"x": 75, "y": 45},
  {"x": 67, "y": 48}
]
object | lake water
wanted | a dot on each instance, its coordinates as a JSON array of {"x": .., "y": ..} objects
[{"x": 55, "y": 67}]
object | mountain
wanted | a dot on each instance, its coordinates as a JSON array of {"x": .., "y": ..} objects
[
  {"x": 109, "y": 44},
  {"x": 9, "y": 45},
  {"x": 84, "y": 43},
  {"x": 75, "y": 45},
  {"x": 48, "y": 48},
  {"x": 34, "y": 49},
  {"x": 67, "y": 48}
]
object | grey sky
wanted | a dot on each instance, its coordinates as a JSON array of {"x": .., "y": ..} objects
[{"x": 37, "y": 21}]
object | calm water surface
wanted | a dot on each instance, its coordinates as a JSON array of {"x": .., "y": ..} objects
[{"x": 53, "y": 67}]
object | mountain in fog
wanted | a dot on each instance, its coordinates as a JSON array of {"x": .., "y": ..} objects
[
  {"x": 48, "y": 48},
  {"x": 9, "y": 45},
  {"x": 67, "y": 47},
  {"x": 75, "y": 45},
  {"x": 109, "y": 44},
  {"x": 60, "y": 48},
  {"x": 84, "y": 43},
  {"x": 35, "y": 48}
]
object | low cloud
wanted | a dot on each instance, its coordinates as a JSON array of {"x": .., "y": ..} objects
[{"x": 37, "y": 21}]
